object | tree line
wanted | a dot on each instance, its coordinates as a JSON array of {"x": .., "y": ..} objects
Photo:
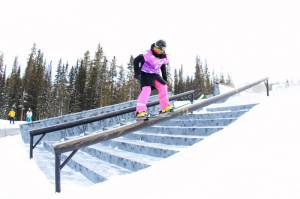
[{"x": 92, "y": 82}]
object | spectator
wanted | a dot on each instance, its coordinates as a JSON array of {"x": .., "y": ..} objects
[
  {"x": 29, "y": 116},
  {"x": 11, "y": 116}
]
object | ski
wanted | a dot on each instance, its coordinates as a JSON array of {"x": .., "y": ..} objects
[{"x": 154, "y": 116}]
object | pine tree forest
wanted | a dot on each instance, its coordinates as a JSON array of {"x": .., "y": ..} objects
[{"x": 92, "y": 82}]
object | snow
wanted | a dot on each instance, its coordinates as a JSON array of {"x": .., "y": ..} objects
[
  {"x": 4, "y": 124},
  {"x": 256, "y": 156},
  {"x": 20, "y": 177}
]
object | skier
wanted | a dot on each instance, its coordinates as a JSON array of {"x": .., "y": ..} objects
[
  {"x": 29, "y": 116},
  {"x": 147, "y": 69}
]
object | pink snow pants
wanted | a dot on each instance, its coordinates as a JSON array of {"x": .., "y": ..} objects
[{"x": 146, "y": 92}]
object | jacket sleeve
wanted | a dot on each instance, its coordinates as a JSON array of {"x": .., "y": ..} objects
[
  {"x": 137, "y": 63},
  {"x": 164, "y": 72}
]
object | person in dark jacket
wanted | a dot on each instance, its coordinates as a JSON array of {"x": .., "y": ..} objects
[{"x": 150, "y": 70}]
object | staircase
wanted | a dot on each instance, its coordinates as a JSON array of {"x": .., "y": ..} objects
[{"x": 140, "y": 149}]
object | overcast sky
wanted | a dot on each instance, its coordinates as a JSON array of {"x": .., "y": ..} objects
[{"x": 248, "y": 39}]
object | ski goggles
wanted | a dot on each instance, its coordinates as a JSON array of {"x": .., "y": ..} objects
[{"x": 161, "y": 49}]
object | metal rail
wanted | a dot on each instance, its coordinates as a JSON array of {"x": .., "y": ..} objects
[
  {"x": 66, "y": 125},
  {"x": 76, "y": 144}
]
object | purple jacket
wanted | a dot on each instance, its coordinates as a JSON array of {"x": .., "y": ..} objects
[{"x": 152, "y": 64}]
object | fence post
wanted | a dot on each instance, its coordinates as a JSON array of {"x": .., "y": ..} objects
[
  {"x": 31, "y": 147},
  {"x": 267, "y": 86},
  {"x": 57, "y": 171},
  {"x": 192, "y": 98}
]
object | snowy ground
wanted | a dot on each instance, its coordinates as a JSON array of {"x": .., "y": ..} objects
[
  {"x": 4, "y": 124},
  {"x": 257, "y": 156}
]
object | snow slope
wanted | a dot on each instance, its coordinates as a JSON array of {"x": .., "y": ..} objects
[
  {"x": 257, "y": 156},
  {"x": 4, "y": 124}
]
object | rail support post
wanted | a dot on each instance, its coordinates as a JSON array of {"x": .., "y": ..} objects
[
  {"x": 31, "y": 147},
  {"x": 57, "y": 172},
  {"x": 267, "y": 86}
]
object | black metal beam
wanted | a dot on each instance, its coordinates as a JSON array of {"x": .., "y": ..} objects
[
  {"x": 57, "y": 172},
  {"x": 32, "y": 146},
  {"x": 68, "y": 158},
  {"x": 267, "y": 86}
]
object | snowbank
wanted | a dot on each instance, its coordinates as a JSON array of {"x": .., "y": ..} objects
[
  {"x": 257, "y": 156},
  {"x": 4, "y": 124},
  {"x": 7, "y": 129}
]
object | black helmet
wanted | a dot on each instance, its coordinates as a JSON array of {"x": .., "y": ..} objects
[{"x": 161, "y": 44}]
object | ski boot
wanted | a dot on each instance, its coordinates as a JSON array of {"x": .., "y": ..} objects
[
  {"x": 142, "y": 115},
  {"x": 169, "y": 108}
]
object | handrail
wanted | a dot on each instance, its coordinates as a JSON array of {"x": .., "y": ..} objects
[
  {"x": 49, "y": 129},
  {"x": 75, "y": 144}
]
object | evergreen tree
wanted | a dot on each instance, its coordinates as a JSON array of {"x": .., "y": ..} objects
[
  {"x": 39, "y": 82},
  {"x": 14, "y": 89},
  {"x": 3, "y": 97},
  {"x": 122, "y": 94},
  {"x": 169, "y": 77},
  {"x": 228, "y": 81},
  {"x": 60, "y": 89},
  {"x": 80, "y": 99},
  {"x": 207, "y": 81},
  {"x": 45, "y": 102},
  {"x": 71, "y": 87},
  {"x": 112, "y": 74},
  {"x": 215, "y": 78},
  {"x": 29, "y": 80},
  {"x": 176, "y": 82},
  {"x": 56, "y": 90},
  {"x": 202, "y": 82},
  {"x": 91, "y": 95},
  {"x": 222, "y": 79},
  {"x": 199, "y": 78},
  {"x": 92, "y": 91},
  {"x": 180, "y": 80},
  {"x": 87, "y": 68},
  {"x": 33, "y": 88},
  {"x": 104, "y": 84},
  {"x": 189, "y": 83},
  {"x": 98, "y": 65},
  {"x": 132, "y": 85}
]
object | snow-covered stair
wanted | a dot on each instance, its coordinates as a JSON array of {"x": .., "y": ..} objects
[
  {"x": 184, "y": 130},
  {"x": 94, "y": 168},
  {"x": 45, "y": 162},
  {"x": 143, "y": 148},
  {"x": 183, "y": 140},
  {"x": 213, "y": 115},
  {"x": 129, "y": 160},
  {"x": 198, "y": 122},
  {"x": 231, "y": 108}
]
